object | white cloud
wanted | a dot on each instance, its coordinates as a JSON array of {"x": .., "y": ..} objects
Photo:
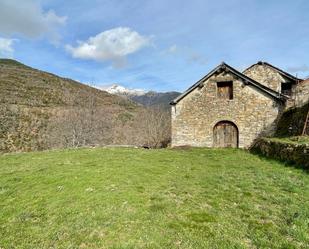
[
  {"x": 29, "y": 19},
  {"x": 114, "y": 45},
  {"x": 6, "y": 47}
]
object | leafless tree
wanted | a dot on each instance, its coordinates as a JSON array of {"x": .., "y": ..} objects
[
  {"x": 81, "y": 123},
  {"x": 84, "y": 125},
  {"x": 155, "y": 124}
]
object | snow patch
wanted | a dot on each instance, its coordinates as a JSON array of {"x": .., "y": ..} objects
[{"x": 121, "y": 90}]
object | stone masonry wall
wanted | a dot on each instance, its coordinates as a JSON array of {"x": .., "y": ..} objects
[
  {"x": 267, "y": 76},
  {"x": 302, "y": 93},
  {"x": 270, "y": 77},
  {"x": 194, "y": 117}
]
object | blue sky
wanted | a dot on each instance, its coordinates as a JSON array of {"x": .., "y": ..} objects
[{"x": 154, "y": 45}]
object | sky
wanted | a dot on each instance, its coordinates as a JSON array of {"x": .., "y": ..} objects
[{"x": 160, "y": 45}]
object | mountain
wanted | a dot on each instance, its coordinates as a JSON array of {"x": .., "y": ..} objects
[
  {"x": 40, "y": 110},
  {"x": 155, "y": 98},
  {"x": 122, "y": 91},
  {"x": 140, "y": 96}
]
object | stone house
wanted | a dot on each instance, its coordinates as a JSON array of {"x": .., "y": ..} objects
[{"x": 227, "y": 108}]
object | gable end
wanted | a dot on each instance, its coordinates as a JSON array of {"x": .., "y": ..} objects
[
  {"x": 247, "y": 81},
  {"x": 280, "y": 71}
]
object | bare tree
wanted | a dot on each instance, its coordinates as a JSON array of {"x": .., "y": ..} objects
[
  {"x": 81, "y": 123},
  {"x": 78, "y": 126},
  {"x": 155, "y": 124}
]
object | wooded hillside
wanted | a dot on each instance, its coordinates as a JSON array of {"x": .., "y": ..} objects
[{"x": 39, "y": 110}]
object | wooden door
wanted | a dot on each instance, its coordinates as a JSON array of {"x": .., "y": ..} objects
[
  {"x": 225, "y": 135},
  {"x": 225, "y": 90}
]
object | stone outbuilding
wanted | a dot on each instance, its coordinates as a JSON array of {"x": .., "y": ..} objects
[{"x": 227, "y": 108}]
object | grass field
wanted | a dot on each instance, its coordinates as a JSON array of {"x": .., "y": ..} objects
[{"x": 133, "y": 198}]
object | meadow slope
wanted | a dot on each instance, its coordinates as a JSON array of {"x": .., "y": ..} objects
[{"x": 134, "y": 198}]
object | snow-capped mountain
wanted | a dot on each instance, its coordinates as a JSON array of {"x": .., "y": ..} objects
[
  {"x": 121, "y": 90},
  {"x": 143, "y": 97}
]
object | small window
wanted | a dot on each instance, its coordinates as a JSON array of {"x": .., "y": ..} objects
[
  {"x": 286, "y": 89},
  {"x": 225, "y": 90}
]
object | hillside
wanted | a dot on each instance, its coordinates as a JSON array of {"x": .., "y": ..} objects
[
  {"x": 40, "y": 110},
  {"x": 23, "y": 85},
  {"x": 291, "y": 122}
]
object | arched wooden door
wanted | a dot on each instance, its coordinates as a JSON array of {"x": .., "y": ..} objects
[{"x": 225, "y": 135}]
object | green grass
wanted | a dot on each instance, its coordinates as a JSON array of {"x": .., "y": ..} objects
[
  {"x": 292, "y": 140},
  {"x": 133, "y": 198}
]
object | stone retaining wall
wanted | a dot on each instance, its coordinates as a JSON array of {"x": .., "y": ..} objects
[{"x": 284, "y": 151}]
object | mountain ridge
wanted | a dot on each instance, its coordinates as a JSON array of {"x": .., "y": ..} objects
[{"x": 146, "y": 98}]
